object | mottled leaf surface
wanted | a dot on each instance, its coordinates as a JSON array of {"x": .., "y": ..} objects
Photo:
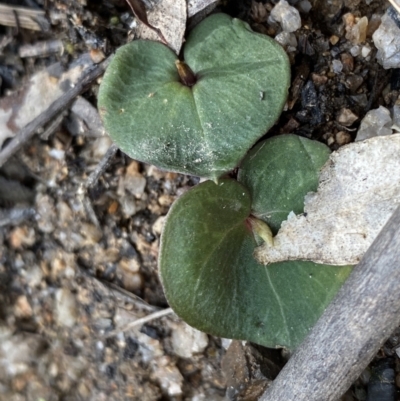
[{"x": 206, "y": 129}]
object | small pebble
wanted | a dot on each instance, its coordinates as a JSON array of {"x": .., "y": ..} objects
[
  {"x": 342, "y": 138},
  {"x": 287, "y": 40},
  {"x": 225, "y": 343},
  {"x": 361, "y": 100},
  {"x": 132, "y": 281},
  {"x": 91, "y": 233},
  {"x": 337, "y": 66},
  {"x": 64, "y": 213},
  {"x": 18, "y": 353},
  {"x": 334, "y": 39},
  {"x": 319, "y": 79},
  {"x": 387, "y": 40},
  {"x": 304, "y": 6},
  {"x": 134, "y": 182},
  {"x": 169, "y": 377},
  {"x": 346, "y": 117},
  {"x": 129, "y": 265},
  {"x": 187, "y": 341},
  {"x": 46, "y": 215},
  {"x": 373, "y": 24},
  {"x": 365, "y": 51},
  {"x": 165, "y": 200},
  {"x": 22, "y": 236},
  {"x": 97, "y": 55},
  {"x": 376, "y": 122},
  {"x": 128, "y": 206},
  {"x": 356, "y": 29},
  {"x": 348, "y": 19},
  {"x": 347, "y": 61},
  {"x": 102, "y": 323},
  {"x": 22, "y": 308},
  {"x": 33, "y": 275},
  {"x": 62, "y": 265},
  {"x": 330, "y": 141},
  {"x": 355, "y": 50},
  {"x": 57, "y": 154},
  {"x": 287, "y": 16},
  {"x": 113, "y": 207},
  {"x": 353, "y": 82},
  {"x": 66, "y": 308},
  {"x": 99, "y": 147},
  {"x": 158, "y": 225}
]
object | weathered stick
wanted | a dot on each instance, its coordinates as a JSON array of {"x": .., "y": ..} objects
[
  {"x": 28, "y": 18},
  {"x": 396, "y": 5},
  {"x": 353, "y": 328},
  {"x": 101, "y": 167},
  {"x": 56, "y": 107}
]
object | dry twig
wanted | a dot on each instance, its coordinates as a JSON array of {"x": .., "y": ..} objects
[
  {"x": 396, "y": 4},
  {"x": 22, "y": 17},
  {"x": 101, "y": 167},
  {"x": 141, "y": 321},
  {"x": 129, "y": 296}
]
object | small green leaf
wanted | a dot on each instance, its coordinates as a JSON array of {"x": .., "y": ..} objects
[
  {"x": 242, "y": 79},
  {"x": 279, "y": 172},
  {"x": 213, "y": 282}
]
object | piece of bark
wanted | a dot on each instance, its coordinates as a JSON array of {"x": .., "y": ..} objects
[
  {"x": 195, "y": 6},
  {"x": 355, "y": 325},
  {"x": 169, "y": 16},
  {"x": 43, "y": 88},
  {"x": 358, "y": 191},
  {"x": 62, "y": 103}
]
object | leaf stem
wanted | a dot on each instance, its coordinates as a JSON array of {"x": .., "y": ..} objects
[{"x": 261, "y": 229}]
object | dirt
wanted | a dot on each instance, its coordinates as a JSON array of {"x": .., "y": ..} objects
[{"x": 75, "y": 267}]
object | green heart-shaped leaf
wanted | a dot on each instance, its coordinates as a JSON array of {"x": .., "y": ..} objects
[
  {"x": 213, "y": 282},
  {"x": 208, "y": 271},
  {"x": 242, "y": 79},
  {"x": 279, "y": 172}
]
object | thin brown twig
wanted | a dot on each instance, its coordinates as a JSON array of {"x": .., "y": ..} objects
[
  {"x": 87, "y": 204},
  {"x": 53, "y": 126},
  {"x": 91, "y": 182},
  {"x": 56, "y": 107},
  {"x": 101, "y": 167},
  {"x": 129, "y": 296}
]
